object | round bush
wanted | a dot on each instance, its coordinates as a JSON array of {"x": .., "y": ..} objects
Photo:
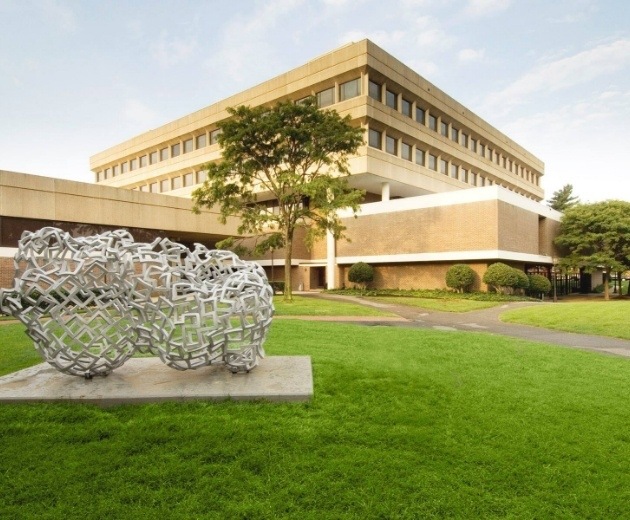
[
  {"x": 460, "y": 277},
  {"x": 539, "y": 284},
  {"x": 361, "y": 273},
  {"x": 505, "y": 278}
]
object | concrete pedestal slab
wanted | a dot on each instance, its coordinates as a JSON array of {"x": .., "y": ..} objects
[{"x": 147, "y": 380}]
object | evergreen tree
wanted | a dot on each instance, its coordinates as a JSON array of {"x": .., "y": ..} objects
[{"x": 563, "y": 199}]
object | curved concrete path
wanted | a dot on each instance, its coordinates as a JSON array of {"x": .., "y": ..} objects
[{"x": 486, "y": 320}]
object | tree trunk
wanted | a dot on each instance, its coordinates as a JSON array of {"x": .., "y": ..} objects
[
  {"x": 288, "y": 247},
  {"x": 606, "y": 288}
]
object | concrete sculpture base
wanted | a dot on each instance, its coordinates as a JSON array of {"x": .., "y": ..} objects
[{"x": 147, "y": 380}]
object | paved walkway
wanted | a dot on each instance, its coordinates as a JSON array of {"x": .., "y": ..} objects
[{"x": 486, "y": 320}]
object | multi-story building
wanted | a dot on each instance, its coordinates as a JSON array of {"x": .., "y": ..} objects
[{"x": 442, "y": 185}]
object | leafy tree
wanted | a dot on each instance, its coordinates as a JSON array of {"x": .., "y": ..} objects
[
  {"x": 539, "y": 284},
  {"x": 293, "y": 153},
  {"x": 505, "y": 278},
  {"x": 597, "y": 236},
  {"x": 563, "y": 199},
  {"x": 460, "y": 277},
  {"x": 361, "y": 273}
]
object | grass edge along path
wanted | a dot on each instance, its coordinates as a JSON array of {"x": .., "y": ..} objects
[
  {"x": 405, "y": 423},
  {"x": 596, "y": 318}
]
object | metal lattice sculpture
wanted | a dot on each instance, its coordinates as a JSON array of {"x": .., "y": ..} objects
[{"x": 90, "y": 303}]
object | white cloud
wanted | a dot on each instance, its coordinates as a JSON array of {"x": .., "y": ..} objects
[
  {"x": 564, "y": 73},
  {"x": 58, "y": 14},
  {"x": 137, "y": 113},
  {"x": 486, "y": 7},
  {"x": 172, "y": 51},
  {"x": 471, "y": 55},
  {"x": 429, "y": 33}
]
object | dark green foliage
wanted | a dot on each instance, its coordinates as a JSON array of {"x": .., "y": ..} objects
[
  {"x": 278, "y": 287},
  {"x": 539, "y": 285},
  {"x": 293, "y": 153},
  {"x": 432, "y": 294},
  {"x": 361, "y": 273},
  {"x": 597, "y": 236},
  {"x": 563, "y": 199},
  {"x": 460, "y": 277},
  {"x": 505, "y": 279}
]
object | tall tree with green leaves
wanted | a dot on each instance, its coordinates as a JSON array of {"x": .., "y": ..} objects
[
  {"x": 597, "y": 236},
  {"x": 292, "y": 153},
  {"x": 563, "y": 199}
]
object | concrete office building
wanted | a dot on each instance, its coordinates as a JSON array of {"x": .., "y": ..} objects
[{"x": 442, "y": 185}]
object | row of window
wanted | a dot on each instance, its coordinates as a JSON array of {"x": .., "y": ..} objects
[
  {"x": 437, "y": 124},
  {"x": 173, "y": 183},
  {"x": 161, "y": 154},
  {"x": 347, "y": 90},
  {"x": 429, "y": 160}
]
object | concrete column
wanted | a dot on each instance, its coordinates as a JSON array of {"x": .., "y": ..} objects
[
  {"x": 330, "y": 261},
  {"x": 385, "y": 192}
]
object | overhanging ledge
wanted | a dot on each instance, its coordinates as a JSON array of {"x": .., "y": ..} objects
[{"x": 148, "y": 380}]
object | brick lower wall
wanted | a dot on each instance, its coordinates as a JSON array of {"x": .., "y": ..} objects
[{"x": 7, "y": 272}]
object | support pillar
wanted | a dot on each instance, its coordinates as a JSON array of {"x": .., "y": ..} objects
[
  {"x": 330, "y": 261},
  {"x": 385, "y": 192}
]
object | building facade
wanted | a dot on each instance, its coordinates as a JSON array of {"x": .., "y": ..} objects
[{"x": 442, "y": 185}]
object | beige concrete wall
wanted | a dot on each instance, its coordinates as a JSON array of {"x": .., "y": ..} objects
[{"x": 35, "y": 197}]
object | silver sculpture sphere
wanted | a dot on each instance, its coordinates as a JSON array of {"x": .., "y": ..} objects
[{"x": 90, "y": 303}]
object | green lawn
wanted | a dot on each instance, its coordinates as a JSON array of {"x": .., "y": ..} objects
[
  {"x": 436, "y": 304},
  {"x": 313, "y": 306},
  {"x": 405, "y": 423},
  {"x": 599, "y": 318}
]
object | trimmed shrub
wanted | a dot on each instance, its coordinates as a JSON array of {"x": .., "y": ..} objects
[
  {"x": 539, "y": 285},
  {"x": 460, "y": 277},
  {"x": 278, "y": 287},
  {"x": 361, "y": 273},
  {"x": 504, "y": 279}
]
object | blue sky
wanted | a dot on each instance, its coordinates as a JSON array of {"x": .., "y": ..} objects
[{"x": 79, "y": 76}]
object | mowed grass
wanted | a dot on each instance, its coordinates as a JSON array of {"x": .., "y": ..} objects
[
  {"x": 600, "y": 318},
  {"x": 436, "y": 304},
  {"x": 405, "y": 423},
  {"x": 314, "y": 306}
]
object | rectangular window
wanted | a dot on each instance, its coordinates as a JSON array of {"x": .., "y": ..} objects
[
  {"x": 482, "y": 180},
  {"x": 443, "y": 167},
  {"x": 100, "y": 176},
  {"x": 124, "y": 167},
  {"x": 143, "y": 161},
  {"x": 201, "y": 176},
  {"x": 133, "y": 165},
  {"x": 473, "y": 179},
  {"x": 201, "y": 141},
  {"x": 473, "y": 145},
  {"x": 154, "y": 187},
  {"x": 188, "y": 145},
  {"x": 420, "y": 113},
  {"x": 163, "y": 154},
  {"x": 482, "y": 150},
  {"x": 177, "y": 183},
  {"x": 349, "y": 89},
  {"x": 464, "y": 176},
  {"x": 464, "y": 140},
  {"x": 454, "y": 171},
  {"x": 391, "y": 145},
  {"x": 391, "y": 99},
  {"x": 144, "y": 188},
  {"x": 433, "y": 122},
  {"x": 504, "y": 162},
  {"x": 444, "y": 128},
  {"x": 175, "y": 150},
  {"x": 188, "y": 180},
  {"x": 153, "y": 157},
  {"x": 490, "y": 183},
  {"x": 420, "y": 157},
  {"x": 406, "y": 107},
  {"x": 375, "y": 91},
  {"x": 375, "y": 138},
  {"x": 455, "y": 134},
  {"x": 107, "y": 173},
  {"x": 115, "y": 171},
  {"x": 326, "y": 97},
  {"x": 165, "y": 185},
  {"x": 405, "y": 151},
  {"x": 433, "y": 162},
  {"x": 214, "y": 136}
]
